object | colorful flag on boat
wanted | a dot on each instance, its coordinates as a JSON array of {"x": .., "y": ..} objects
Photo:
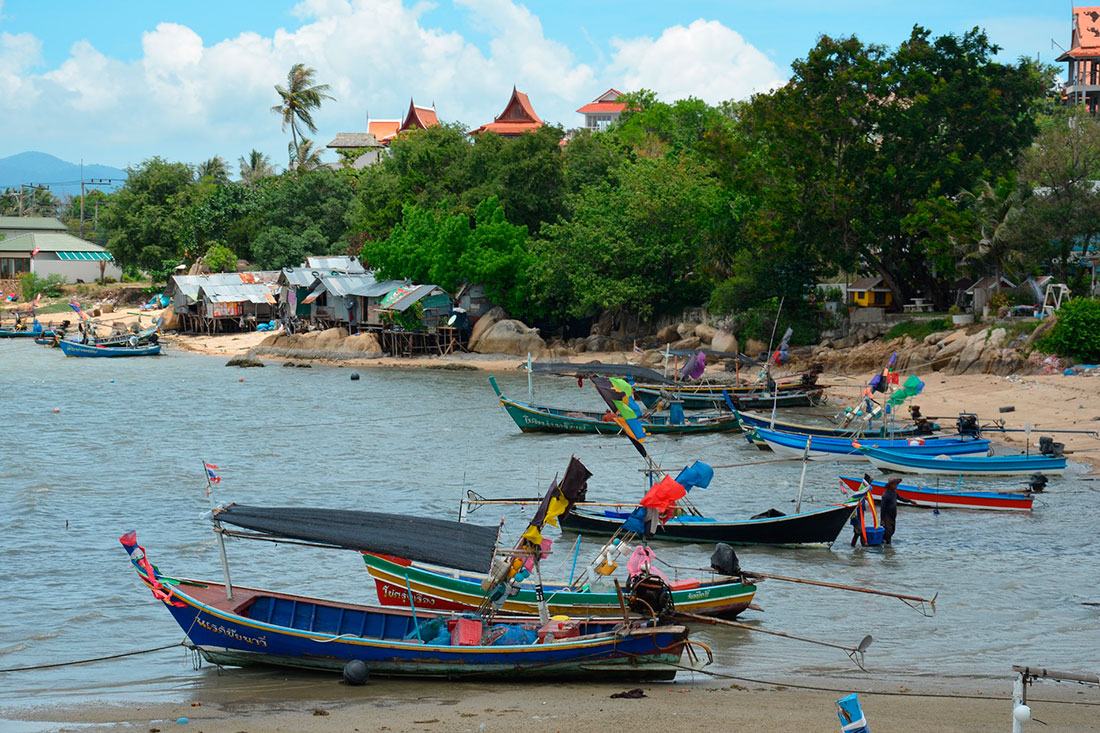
[
  {"x": 638, "y": 349},
  {"x": 36, "y": 299},
  {"x": 625, "y": 412},
  {"x": 913, "y": 386},
  {"x": 559, "y": 500},
  {"x": 76, "y": 307},
  {"x": 694, "y": 366},
  {"x": 210, "y": 475}
]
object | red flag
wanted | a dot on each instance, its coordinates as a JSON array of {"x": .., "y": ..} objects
[{"x": 35, "y": 251}]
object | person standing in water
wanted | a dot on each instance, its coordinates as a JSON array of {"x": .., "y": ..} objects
[{"x": 889, "y": 510}]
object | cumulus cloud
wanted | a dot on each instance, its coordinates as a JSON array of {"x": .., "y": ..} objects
[
  {"x": 189, "y": 98},
  {"x": 705, "y": 60}
]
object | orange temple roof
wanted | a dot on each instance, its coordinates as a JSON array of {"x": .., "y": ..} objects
[
  {"x": 517, "y": 118},
  {"x": 1086, "y": 34},
  {"x": 606, "y": 102},
  {"x": 419, "y": 118}
]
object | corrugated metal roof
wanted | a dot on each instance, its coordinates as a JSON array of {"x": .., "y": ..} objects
[
  {"x": 238, "y": 293},
  {"x": 301, "y": 277},
  {"x": 190, "y": 285},
  {"x": 418, "y": 292},
  {"x": 342, "y": 263}
]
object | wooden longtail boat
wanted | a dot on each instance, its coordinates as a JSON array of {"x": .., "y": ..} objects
[
  {"x": 713, "y": 396},
  {"x": 947, "y": 464},
  {"x": 924, "y": 496},
  {"x": 759, "y": 419},
  {"x": 441, "y": 590},
  {"x": 818, "y": 526},
  {"x": 7, "y": 333},
  {"x": 72, "y": 348},
  {"x": 539, "y": 418},
  {"x": 842, "y": 449},
  {"x": 267, "y": 627}
]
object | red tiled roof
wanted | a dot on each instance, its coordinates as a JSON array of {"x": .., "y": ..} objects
[
  {"x": 517, "y": 118},
  {"x": 1080, "y": 52},
  {"x": 419, "y": 117},
  {"x": 1086, "y": 28},
  {"x": 383, "y": 129},
  {"x": 603, "y": 107}
]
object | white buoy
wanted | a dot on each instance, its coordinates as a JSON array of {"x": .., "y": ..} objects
[{"x": 1021, "y": 714}]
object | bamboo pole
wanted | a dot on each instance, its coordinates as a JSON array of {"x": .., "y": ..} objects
[
  {"x": 1044, "y": 673},
  {"x": 855, "y": 653},
  {"x": 854, "y": 588}
]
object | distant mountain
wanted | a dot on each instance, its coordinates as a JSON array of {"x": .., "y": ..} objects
[{"x": 61, "y": 176}]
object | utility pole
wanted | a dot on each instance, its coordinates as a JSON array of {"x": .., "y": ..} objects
[{"x": 82, "y": 198}]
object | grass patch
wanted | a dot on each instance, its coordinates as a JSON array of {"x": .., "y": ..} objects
[
  {"x": 917, "y": 330},
  {"x": 1012, "y": 330}
]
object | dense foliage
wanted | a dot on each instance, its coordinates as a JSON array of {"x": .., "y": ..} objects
[
  {"x": 921, "y": 164},
  {"x": 1077, "y": 332}
]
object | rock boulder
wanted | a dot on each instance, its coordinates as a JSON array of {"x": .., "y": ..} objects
[
  {"x": 485, "y": 323},
  {"x": 724, "y": 341},
  {"x": 510, "y": 337},
  {"x": 668, "y": 334},
  {"x": 705, "y": 332}
]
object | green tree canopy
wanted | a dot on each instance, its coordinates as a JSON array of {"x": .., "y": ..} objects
[{"x": 147, "y": 217}]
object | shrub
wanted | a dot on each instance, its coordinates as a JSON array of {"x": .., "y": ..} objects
[
  {"x": 221, "y": 259},
  {"x": 917, "y": 330},
  {"x": 1077, "y": 332},
  {"x": 954, "y": 311},
  {"x": 32, "y": 285}
]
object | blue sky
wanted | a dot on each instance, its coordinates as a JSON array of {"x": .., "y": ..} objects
[{"x": 118, "y": 82}]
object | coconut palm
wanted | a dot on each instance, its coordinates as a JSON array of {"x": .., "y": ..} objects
[
  {"x": 214, "y": 169},
  {"x": 996, "y": 209},
  {"x": 300, "y": 97},
  {"x": 304, "y": 157},
  {"x": 254, "y": 167}
]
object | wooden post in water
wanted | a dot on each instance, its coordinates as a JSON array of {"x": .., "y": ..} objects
[{"x": 802, "y": 481}]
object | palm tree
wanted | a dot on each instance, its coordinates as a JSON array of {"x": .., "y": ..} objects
[
  {"x": 254, "y": 167},
  {"x": 214, "y": 169},
  {"x": 996, "y": 209},
  {"x": 300, "y": 97},
  {"x": 304, "y": 157}
]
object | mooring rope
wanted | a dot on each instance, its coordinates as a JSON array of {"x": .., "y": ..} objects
[{"x": 94, "y": 659}]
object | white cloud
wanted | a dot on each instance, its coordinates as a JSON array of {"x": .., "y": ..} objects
[
  {"x": 189, "y": 98},
  {"x": 705, "y": 60}
]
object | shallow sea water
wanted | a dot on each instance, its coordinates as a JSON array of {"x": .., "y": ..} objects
[{"x": 125, "y": 452}]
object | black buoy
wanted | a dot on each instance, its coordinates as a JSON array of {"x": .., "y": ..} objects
[
  {"x": 356, "y": 672},
  {"x": 355, "y": 376}
]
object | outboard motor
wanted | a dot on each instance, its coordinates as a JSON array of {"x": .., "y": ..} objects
[
  {"x": 724, "y": 560},
  {"x": 1036, "y": 482},
  {"x": 968, "y": 425},
  {"x": 1048, "y": 447},
  {"x": 650, "y": 595}
]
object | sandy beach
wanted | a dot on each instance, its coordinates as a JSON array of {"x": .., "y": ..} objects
[{"x": 703, "y": 705}]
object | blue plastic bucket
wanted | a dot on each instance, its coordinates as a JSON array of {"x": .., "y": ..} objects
[{"x": 875, "y": 535}]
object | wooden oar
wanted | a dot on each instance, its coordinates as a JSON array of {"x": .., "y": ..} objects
[
  {"x": 855, "y": 653},
  {"x": 906, "y": 599}
]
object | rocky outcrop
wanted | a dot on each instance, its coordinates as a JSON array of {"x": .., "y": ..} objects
[
  {"x": 509, "y": 337},
  {"x": 692, "y": 342},
  {"x": 984, "y": 351},
  {"x": 705, "y": 333},
  {"x": 244, "y": 360},
  {"x": 686, "y": 329},
  {"x": 485, "y": 323},
  {"x": 668, "y": 335},
  {"x": 724, "y": 341}
]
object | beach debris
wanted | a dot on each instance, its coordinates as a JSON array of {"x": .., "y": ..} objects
[
  {"x": 182, "y": 721},
  {"x": 1007, "y": 408},
  {"x": 630, "y": 694},
  {"x": 319, "y": 711},
  {"x": 355, "y": 376},
  {"x": 57, "y": 409}
]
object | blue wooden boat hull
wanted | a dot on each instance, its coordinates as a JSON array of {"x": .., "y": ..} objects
[
  {"x": 955, "y": 465},
  {"x": 264, "y": 627},
  {"x": 72, "y": 348},
  {"x": 9, "y": 334},
  {"x": 842, "y": 449}
]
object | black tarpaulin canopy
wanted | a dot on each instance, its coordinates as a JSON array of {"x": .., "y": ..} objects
[
  {"x": 437, "y": 541},
  {"x": 640, "y": 373}
]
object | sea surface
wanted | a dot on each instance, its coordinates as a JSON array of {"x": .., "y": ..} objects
[{"x": 94, "y": 448}]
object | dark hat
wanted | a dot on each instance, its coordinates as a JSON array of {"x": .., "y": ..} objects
[{"x": 893, "y": 483}]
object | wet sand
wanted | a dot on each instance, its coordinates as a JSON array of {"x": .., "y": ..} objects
[{"x": 704, "y": 705}]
